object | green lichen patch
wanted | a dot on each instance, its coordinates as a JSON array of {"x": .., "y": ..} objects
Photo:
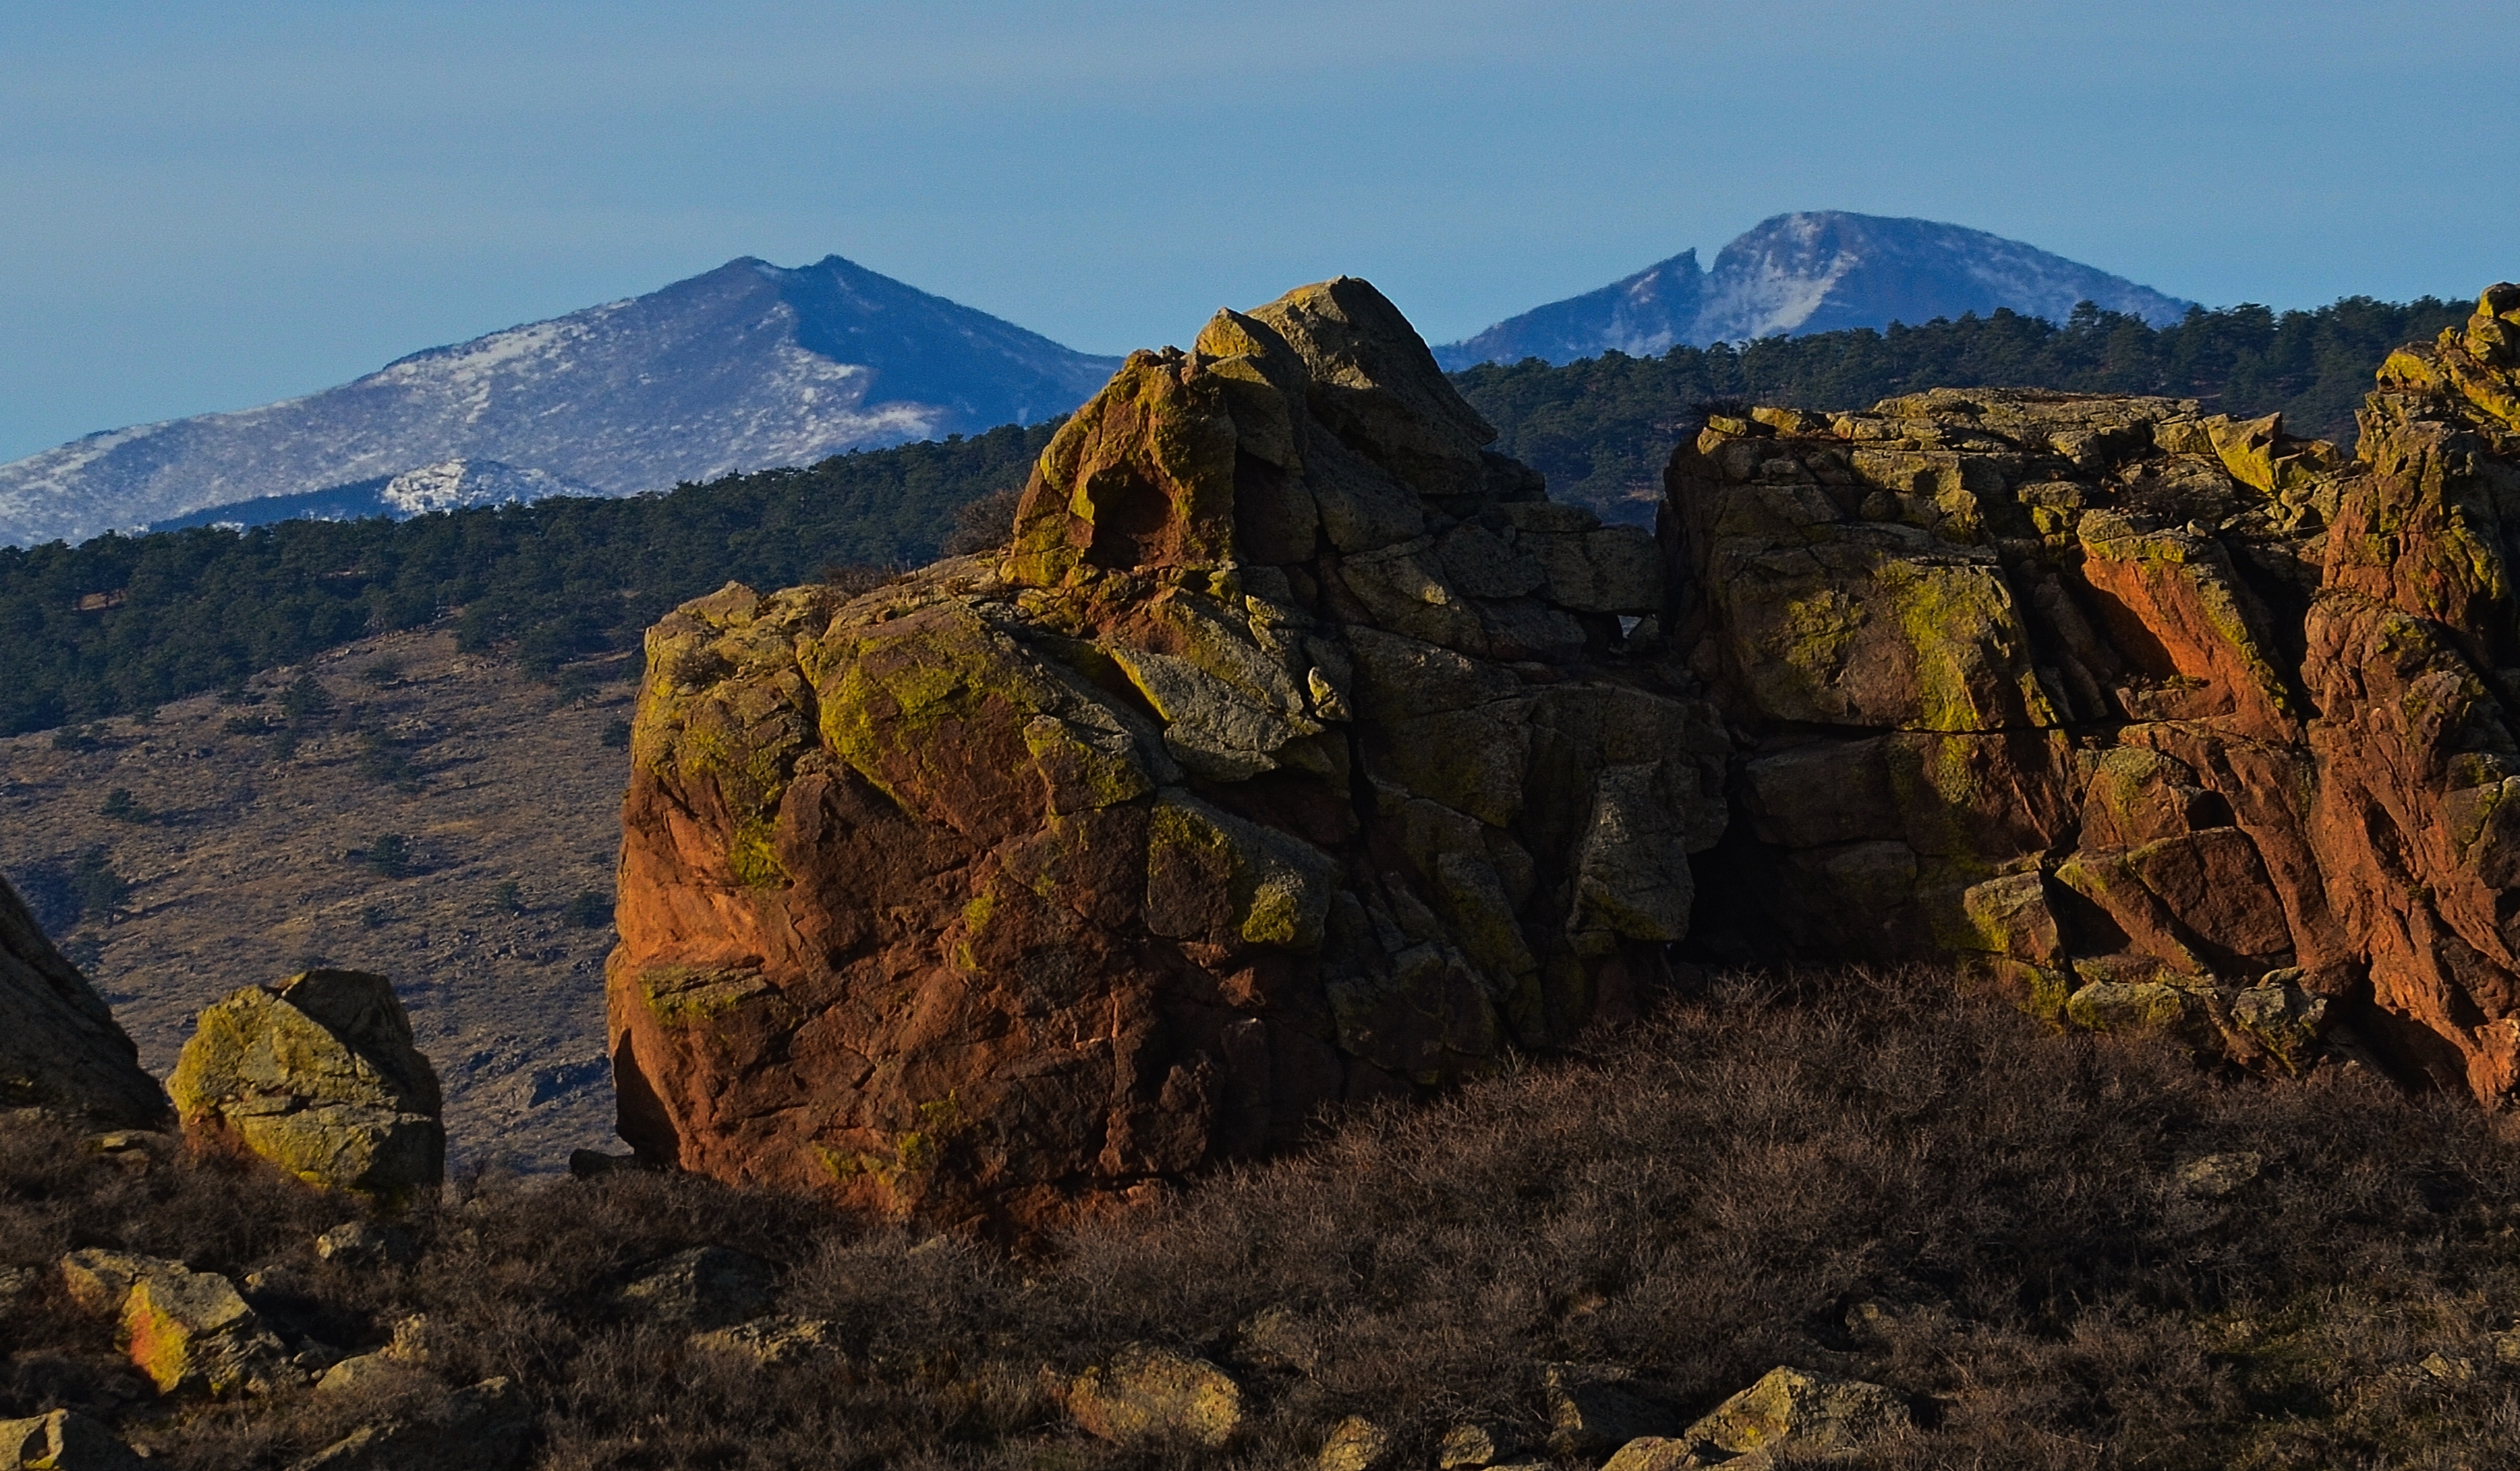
[{"x": 692, "y": 996}]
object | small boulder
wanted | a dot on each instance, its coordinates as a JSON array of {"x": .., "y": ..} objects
[
  {"x": 2214, "y": 1176},
  {"x": 1787, "y": 1406},
  {"x": 362, "y": 1371},
  {"x": 483, "y": 1428},
  {"x": 706, "y": 1287},
  {"x": 1474, "y": 1445},
  {"x": 1273, "y": 1338},
  {"x": 318, "y": 1075},
  {"x": 189, "y": 1331},
  {"x": 775, "y": 1340},
  {"x": 63, "y": 1441},
  {"x": 364, "y": 1243},
  {"x": 1151, "y": 1394},
  {"x": 1356, "y": 1443}
]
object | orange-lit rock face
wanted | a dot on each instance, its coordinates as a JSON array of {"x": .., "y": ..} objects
[
  {"x": 2260, "y": 715},
  {"x": 1288, "y": 755}
]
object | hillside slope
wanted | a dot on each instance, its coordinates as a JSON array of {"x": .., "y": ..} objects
[{"x": 245, "y": 860}]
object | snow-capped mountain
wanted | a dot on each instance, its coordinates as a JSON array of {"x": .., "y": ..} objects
[
  {"x": 1807, "y": 273},
  {"x": 745, "y": 368}
]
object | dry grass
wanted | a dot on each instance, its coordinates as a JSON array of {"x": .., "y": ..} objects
[{"x": 1860, "y": 1174}]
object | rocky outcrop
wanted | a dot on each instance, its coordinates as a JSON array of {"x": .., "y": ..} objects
[
  {"x": 2150, "y": 716},
  {"x": 1290, "y": 754},
  {"x": 59, "y": 1047},
  {"x": 1298, "y": 750},
  {"x": 318, "y": 1075}
]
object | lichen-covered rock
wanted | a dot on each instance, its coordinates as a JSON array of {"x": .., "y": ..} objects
[
  {"x": 775, "y": 1340},
  {"x": 706, "y": 1287},
  {"x": 1356, "y": 1443},
  {"x": 318, "y": 1075},
  {"x": 2128, "y": 703},
  {"x": 60, "y": 1047},
  {"x": 191, "y": 1332},
  {"x": 1149, "y": 1394},
  {"x": 1289, "y": 754},
  {"x": 1788, "y": 1409}
]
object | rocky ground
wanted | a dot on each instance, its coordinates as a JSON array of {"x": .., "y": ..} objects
[
  {"x": 246, "y": 860},
  {"x": 1964, "y": 1240}
]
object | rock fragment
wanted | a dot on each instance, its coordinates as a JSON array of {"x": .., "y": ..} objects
[
  {"x": 191, "y": 1332},
  {"x": 1789, "y": 1408},
  {"x": 775, "y": 1340},
  {"x": 706, "y": 1287},
  {"x": 1356, "y": 1443},
  {"x": 1149, "y": 1394},
  {"x": 63, "y": 1441}
]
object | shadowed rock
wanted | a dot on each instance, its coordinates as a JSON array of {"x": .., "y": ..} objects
[
  {"x": 58, "y": 1045},
  {"x": 65, "y": 1440},
  {"x": 2152, "y": 717},
  {"x": 318, "y": 1075}
]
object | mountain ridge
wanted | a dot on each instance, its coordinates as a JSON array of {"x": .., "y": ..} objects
[
  {"x": 1812, "y": 272},
  {"x": 745, "y": 367}
]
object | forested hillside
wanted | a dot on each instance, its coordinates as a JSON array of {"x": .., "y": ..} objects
[
  {"x": 1600, "y": 429},
  {"x": 125, "y": 623}
]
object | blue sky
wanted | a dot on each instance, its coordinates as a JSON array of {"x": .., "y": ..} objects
[{"x": 210, "y": 205}]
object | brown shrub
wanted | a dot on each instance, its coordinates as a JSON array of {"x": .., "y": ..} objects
[
  {"x": 1852, "y": 1172},
  {"x": 984, "y": 524}
]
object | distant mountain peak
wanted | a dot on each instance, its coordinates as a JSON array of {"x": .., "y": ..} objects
[
  {"x": 748, "y": 366},
  {"x": 1817, "y": 271}
]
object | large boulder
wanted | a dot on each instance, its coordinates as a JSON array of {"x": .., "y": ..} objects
[
  {"x": 318, "y": 1075},
  {"x": 2148, "y": 715},
  {"x": 60, "y": 1047},
  {"x": 1291, "y": 753}
]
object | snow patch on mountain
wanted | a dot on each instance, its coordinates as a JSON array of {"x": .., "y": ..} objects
[{"x": 451, "y": 484}]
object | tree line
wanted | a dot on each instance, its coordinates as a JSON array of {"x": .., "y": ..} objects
[
  {"x": 122, "y": 624},
  {"x": 1600, "y": 429}
]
